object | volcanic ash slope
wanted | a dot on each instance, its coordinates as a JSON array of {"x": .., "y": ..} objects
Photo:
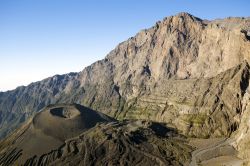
[{"x": 75, "y": 135}]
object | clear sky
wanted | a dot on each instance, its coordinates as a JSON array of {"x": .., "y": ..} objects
[{"x": 41, "y": 38}]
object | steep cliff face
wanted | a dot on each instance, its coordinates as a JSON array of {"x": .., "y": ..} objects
[
  {"x": 201, "y": 107},
  {"x": 183, "y": 46},
  {"x": 181, "y": 56},
  {"x": 241, "y": 136}
]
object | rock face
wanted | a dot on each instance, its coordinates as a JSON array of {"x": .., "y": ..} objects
[
  {"x": 201, "y": 107},
  {"x": 179, "y": 47},
  {"x": 242, "y": 135},
  {"x": 190, "y": 73}
]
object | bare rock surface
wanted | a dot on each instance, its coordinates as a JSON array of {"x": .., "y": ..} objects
[
  {"x": 178, "y": 47},
  {"x": 190, "y": 73}
]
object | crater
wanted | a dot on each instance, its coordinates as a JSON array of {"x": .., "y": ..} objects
[{"x": 64, "y": 112}]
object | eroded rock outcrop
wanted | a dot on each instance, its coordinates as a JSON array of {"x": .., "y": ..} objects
[{"x": 201, "y": 107}]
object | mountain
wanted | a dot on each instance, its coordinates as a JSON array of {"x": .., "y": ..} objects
[{"x": 188, "y": 73}]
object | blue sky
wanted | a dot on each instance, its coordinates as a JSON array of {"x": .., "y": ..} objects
[{"x": 41, "y": 38}]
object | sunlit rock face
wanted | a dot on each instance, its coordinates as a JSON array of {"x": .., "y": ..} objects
[{"x": 190, "y": 73}]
